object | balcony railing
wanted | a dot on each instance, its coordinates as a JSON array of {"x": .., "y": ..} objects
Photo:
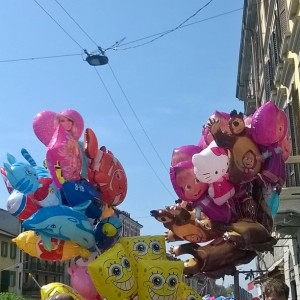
[{"x": 293, "y": 173}]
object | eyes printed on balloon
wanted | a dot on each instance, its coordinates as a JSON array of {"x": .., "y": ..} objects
[{"x": 159, "y": 280}]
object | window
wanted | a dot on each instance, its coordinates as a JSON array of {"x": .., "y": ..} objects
[
  {"x": 13, "y": 251},
  {"x": 4, "y": 247},
  {"x": 12, "y": 278}
]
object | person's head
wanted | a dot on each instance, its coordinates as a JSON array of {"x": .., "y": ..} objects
[{"x": 275, "y": 289}]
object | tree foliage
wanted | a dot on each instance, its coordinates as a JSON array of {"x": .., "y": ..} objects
[{"x": 10, "y": 296}]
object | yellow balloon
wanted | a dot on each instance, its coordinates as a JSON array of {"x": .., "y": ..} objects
[
  {"x": 159, "y": 279},
  {"x": 112, "y": 275},
  {"x": 185, "y": 292},
  {"x": 56, "y": 288},
  {"x": 150, "y": 247},
  {"x": 31, "y": 243}
]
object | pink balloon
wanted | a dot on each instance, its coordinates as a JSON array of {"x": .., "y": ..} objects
[
  {"x": 44, "y": 126},
  {"x": 82, "y": 283},
  {"x": 46, "y": 122},
  {"x": 286, "y": 146},
  {"x": 268, "y": 125},
  {"x": 63, "y": 157}
]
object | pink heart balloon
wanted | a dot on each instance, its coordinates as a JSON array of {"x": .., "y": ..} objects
[
  {"x": 44, "y": 126},
  {"x": 46, "y": 122}
]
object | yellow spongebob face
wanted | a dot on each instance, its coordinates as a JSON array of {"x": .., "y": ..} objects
[
  {"x": 56, "y": 288},
  {"x": 119, "y": 272},
  {"x": 145, "y": 247},
  {"x": 112, "y": 274},
  {"x": 159, "y": 280},
  {"x": 187, "y": 293}
]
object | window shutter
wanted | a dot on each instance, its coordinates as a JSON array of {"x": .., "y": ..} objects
[{"x": 282, "y": 17}]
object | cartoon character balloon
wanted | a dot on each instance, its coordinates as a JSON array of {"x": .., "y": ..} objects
[
  {"x": 31, "y": 243},
  {"x": 105, "y": 171},
  {"x": 159, "y": 279},
  {"x": 244, "y": 163},
  {"x": 112, "y": 274},
  {"x": 60, "y": 133},
  {"x": 64, "y": 223},
  {"x": 269, "y": 128},
  {"x": 211, "y": 166},
  {"x": 56, "y": 288},
  {"x": 182, "y": 175}
]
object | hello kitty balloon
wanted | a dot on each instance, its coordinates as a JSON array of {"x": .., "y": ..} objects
[{"x": 211, "y": 166}]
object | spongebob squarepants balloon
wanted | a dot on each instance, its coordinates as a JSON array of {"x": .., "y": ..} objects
[
  {"x": 112, "y": 274},
  {"x": 159, "y": 279},
  {"x": 56, "y": 288},
  {"x": 145, "y": 247},
  {"x": 185, "y": 292}
]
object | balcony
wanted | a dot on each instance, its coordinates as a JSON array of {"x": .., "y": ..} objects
[
  {"x": 287, "y": 219},
  {"x": 288, "y": 71}
]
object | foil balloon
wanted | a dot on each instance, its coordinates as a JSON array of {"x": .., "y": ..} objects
[
  {"x": 107, "y": 232},
  {"x": 269, "y": 128},
  {"x": 286, "y": 146},
  {"x": 244, "y": 161},
  {"x": 223, "y": 119},
  {"x": 55, "y": 288},
  {"x": 60, "y": 133},
  {"x": 105, "y": 171},
  {"x": 144, "y": 247},
  {"x": 21, "y": 176},
  {"x": 182, "y": 175},
  {"x": 31, "y": 243},
  {"x": 63, "y": 223},
  {"x": 211, "y": 166},
  {"x": 78, "y": 192},
  {"x": 46, "y": 122},
  {"x": 112, "y": 274},
  {"x": 6, "y": 181},
  {"x": 159, "y": 279},
  {"x": 269, "y": 124},
  {"x": 63, "y": 157},
  {"x": 185, "y": 292},
  {"x": 21, "y": 206},
  {"x": 81, "y": 281}
]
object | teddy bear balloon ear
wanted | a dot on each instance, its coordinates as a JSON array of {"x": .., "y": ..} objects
[
  {"x": 233, "y": 113},
  {"x": 241, "y": 114}
]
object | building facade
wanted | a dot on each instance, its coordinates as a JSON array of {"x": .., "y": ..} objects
[{"x": 268, "y": 69}]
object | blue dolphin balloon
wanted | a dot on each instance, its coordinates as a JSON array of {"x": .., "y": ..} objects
[{"x": 64, "y": 223}]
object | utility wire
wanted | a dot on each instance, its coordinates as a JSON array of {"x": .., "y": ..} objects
[
  {"x": 171, "y": 30},
  {"x": 40, "y": 57},
  {"x": 76, "y": 23},
  {"x": 126, "y": 125},
  {"x": 122, "y": 90},
  {"x": 123, "y": 44},
  {"x": 138, "y": 120},
  {"x": 186, "y": 25},
  {"x": 58, "y": 24},
  {"x": 119, "y": 112}
]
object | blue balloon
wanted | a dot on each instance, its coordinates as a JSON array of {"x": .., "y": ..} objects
[
  {"x": 63, "y": 223},
  {"x": 78, "y": 192},
  {"x": 273, "y": 203},
  {"x": 107, "y": 232}
]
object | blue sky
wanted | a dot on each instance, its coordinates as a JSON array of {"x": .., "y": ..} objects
[{"x": 155, "y": 97}]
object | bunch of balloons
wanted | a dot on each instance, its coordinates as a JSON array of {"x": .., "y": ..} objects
[
  {"x": 133, "y": 268},
  {"x": 228, "y": 186},
  {"x": 67, "y": 204}
]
